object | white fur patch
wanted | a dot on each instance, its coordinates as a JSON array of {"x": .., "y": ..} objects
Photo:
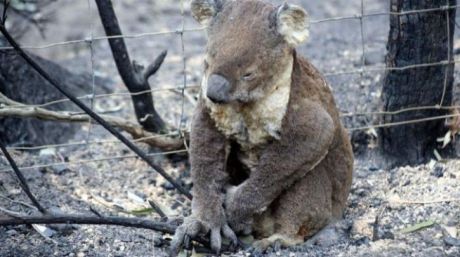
[
  {"x": 254, "y": 125},
  {"x": 293, "y": 24}
]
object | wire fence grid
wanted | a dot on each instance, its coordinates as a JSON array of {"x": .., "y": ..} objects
[{"x": 181, "y": 127}]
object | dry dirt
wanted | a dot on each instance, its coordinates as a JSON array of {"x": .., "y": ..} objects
[{"x": 106, "y": 177}]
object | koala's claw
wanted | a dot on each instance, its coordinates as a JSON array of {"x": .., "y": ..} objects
[
  {"x": 189, "y": 229},
  {"x": 216, "y": 238},
  {"x": 192, "y": 227}
]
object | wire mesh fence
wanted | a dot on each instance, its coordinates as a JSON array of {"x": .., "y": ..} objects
[{"x": 180, "y": 126}]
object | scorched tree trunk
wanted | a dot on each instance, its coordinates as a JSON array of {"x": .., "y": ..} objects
[{"x": 417, "y": 38}]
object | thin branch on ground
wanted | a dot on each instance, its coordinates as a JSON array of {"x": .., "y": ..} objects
[
  {"x": 157, "y": 208},
  {"x": 10, "y": 108},
  {"x": 163, "y": 227},
  {"x": 19, "y": 202},
  {"x": 22, "y": 179},
  {"x": 132, "y": 74},
  {"x": 10, "y": 213},
  {"x": 91, "y": 113}
]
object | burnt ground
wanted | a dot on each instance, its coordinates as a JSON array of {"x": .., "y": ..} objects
[{"x": 105, "y": 177}]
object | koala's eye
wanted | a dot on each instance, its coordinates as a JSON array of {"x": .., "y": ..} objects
[{"x": 249, "y": 76}]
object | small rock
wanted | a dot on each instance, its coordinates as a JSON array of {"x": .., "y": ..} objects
[
  {"x": 438, "y": 171},
  {"x": 362, "y": 241},
  {"x": 362, "y": 192},
  {"x": 60, "y": 169},
  {"x": 372, "y": 168},
  {"x": 452, "y": 241}
]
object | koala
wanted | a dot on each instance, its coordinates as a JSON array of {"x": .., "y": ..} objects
[{"x": 269, "y": 155}]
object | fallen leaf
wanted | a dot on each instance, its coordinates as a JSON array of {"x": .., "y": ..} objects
[
  {"x": 43, "y": 230},
  {"x": 418, "y": 226}
]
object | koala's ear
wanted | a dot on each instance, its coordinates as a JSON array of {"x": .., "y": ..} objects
[
  {"x": 204, "y": 10},
  {"x": 293, "y": 23}
]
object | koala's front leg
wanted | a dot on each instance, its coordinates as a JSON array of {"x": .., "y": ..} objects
[
  {"x": 303, "y": 144},
  {"x": 208, "y": 160}
]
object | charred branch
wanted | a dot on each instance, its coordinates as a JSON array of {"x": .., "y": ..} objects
[
  {"x": 163, "y": 227},
  {"x": 132, "y": 74}
]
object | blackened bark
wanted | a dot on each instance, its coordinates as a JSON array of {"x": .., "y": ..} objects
[
  {"x": 417, "y": 38},
  {"x": 132, "y": 75},
  {"x": 21, "y": 83}
]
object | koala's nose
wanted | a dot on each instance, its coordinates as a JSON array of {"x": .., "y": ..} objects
[{"x": 218, "y": 90}]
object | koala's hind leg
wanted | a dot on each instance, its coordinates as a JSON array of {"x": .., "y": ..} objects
[{"x": 300, "y": 212}]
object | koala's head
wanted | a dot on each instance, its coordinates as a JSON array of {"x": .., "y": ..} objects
[{"x": 250, "y": 45}]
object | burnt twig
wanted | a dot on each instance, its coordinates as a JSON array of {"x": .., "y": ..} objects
[
  {"x": 155, "y": 65},
  {"x": 89, "y": 220},
  {"x": 22, "y": 179},
  {"x": 163, "y": 227},
  {"x": 91, "y": 113},
  {"x": 157, "y": 209},
  {"x": 133, "y": 77},
  {"x": 6, "y": 4}
]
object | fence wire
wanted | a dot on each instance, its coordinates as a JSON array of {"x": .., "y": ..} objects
[{"x": 361, "y": 16}]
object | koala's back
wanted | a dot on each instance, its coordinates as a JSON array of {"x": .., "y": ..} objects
[{"x": 308, "y": 83}]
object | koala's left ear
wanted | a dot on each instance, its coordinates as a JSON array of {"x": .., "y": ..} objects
[{"x": 293, "y": 24}]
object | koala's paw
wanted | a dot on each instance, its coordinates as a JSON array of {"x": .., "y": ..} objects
[
  {"x": 239, "y": 222},
  {"x": 192, "y": 227}
]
